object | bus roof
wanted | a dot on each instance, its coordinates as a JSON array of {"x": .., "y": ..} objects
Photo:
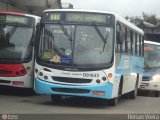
[
  {"x": 151, "y": 42},
  {"x": 118, "y": 18},
  {"x": 129, "y": 24}
]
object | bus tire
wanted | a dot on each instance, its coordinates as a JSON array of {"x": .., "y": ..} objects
[
  {"x": 157, "y": 93},
  {"x": 113, "y": 101},
  {"x": 56, "y": 99},
  {"x": 133, "y": 94},
  {"x": 120, "y": 87}
]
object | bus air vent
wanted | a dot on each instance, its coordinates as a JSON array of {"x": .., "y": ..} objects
[
  {"x": 5, "y": 81},
  {"x": 70, "y": 90},
  {"x": 45, "y": 69},
  {"x": 144, "y": 85},
  {"x": 71, "y": 80}
]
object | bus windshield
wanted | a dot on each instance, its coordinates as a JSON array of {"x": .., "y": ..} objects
[
  {"x": 79, "y": 45},
  {"x": 15, "y": 42},
  {"x": 151, "y": 56}
]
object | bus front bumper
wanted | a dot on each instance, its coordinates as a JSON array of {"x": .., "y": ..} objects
[{"x": 103, "y": 91}]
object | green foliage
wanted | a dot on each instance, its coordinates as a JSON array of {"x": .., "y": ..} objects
[{"x": 151, "y": 18}]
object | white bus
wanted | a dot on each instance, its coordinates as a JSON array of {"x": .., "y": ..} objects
[
  {"x": 88, "y": 54},
  {"x": 151, "y": 76},
  {"x": 17, "y": 35}
]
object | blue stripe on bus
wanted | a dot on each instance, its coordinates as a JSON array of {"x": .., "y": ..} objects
[
  {"x": 43, "y": 87},
  {"x": 136, "y": 64}
]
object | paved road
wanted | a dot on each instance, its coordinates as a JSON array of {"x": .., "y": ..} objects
[{"x": 17, "y": 101}]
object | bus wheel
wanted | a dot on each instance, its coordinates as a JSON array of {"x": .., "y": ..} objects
[
  {"x": 133, "y": 94},
  {"x": 157, "y": 93},
  {"x": 114, "y": 101},
  {"x": 56, "y": 99}
]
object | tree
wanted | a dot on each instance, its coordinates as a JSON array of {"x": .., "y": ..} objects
[
  {"x": 136, "y": 20},
  {"x": 151, "y": 18}
]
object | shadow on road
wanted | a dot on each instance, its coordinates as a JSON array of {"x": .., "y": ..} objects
[
  {"x": 146, "y": 93},
  {"x": 12, "y": 91},
  {"x": 83, "y": 102}
]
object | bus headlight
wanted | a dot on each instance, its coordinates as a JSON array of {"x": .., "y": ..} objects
[
  {"x": 156, "y": 78},
  {"x": 98, "y": 81},
  {"x": 102, "y": 80}
]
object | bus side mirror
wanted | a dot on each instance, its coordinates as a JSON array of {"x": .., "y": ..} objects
[{"x": 120, "y": 37}]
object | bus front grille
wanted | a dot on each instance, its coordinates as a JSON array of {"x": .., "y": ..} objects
[
  {"x": 144, "y": 85},
  {"x": 70, "y": 90},
  {"x": 71, "y": 80},
  {"x": 5, "y": 81},
  {"x": 145, "y": 78}
]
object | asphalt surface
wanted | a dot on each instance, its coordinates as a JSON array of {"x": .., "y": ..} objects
[{"x": 19, "y": 101}]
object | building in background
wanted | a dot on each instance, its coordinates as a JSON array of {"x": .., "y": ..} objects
[
  {"x": 29, "y": 6},
  {"x": 152, "y": 32},
  {"x": 67, "y": 6}
]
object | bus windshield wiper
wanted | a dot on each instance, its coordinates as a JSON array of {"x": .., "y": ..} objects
[
  {"x": 13, "y": 31},
  {"x": 14, "y": 28},
  {"x": 100, "y": 34},
  {"x": 65, "y": 31},
  {"x": 49, "y": 33}
]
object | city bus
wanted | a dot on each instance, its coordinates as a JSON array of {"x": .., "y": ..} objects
[
  {"x": 151, "y": 76},
  {"x": 17, "y": 36},
  {"x": 88, "y": 54}
]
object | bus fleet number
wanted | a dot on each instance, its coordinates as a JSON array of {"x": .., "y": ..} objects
[{"x": 90, "y": 75}]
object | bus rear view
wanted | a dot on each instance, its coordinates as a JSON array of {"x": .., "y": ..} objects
[{"x": 17, "y": 32}]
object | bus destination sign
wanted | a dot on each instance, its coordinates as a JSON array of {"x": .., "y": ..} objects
[
  {"x": 84, "y": 17},
  {"x": 78, "y": 17},
  {"x": 14, "y": 19}
]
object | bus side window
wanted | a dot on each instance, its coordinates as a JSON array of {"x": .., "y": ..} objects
[
  {"x": 133, "y": 43},
  {"x": 123, "y": 45},
  {"x": 126, "y": 41},
  {"x": 131, "y": 37},
  {"x": 129, "y": 41},
  {"x": 118, "y": 46},
  {"x": 136, "y": 44},
  {"x": 142, "y": 45}
]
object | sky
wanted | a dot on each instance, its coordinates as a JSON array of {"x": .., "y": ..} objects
[{"x": 121, "y": 7}]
